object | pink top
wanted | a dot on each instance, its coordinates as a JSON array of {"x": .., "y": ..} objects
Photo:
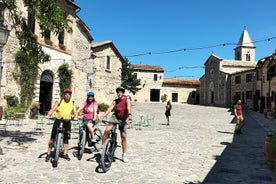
[
  {"x": 88, "y": 110},
  {"x": 238, "y": 109}
]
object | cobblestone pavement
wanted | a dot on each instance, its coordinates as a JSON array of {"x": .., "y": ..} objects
[{"x": 198, "y": 147}]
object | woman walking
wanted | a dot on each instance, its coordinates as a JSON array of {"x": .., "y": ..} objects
[{"x": 168, "y": 112}]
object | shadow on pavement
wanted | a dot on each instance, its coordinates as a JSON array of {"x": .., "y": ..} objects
[
  {"x": 243, "y": 159},
  {"x": 20, "y": 137}
]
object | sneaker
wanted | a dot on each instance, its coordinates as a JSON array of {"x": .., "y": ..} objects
[
  {"x": 94, "y": 140},
  {"x": 66, "y": 157},
  {"x": 47, "y": 158},
  {"x": 124, "y": 158}
]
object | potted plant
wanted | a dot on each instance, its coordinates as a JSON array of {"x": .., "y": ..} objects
[
  {"x": 270, "y": 149},
  {"x": 34, "y": 110}
]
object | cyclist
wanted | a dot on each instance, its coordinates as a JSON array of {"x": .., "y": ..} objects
[
  {"x": 121, "y": 115},
  {"x": 89, "y": 109},
  {"x": 64, "y": 109}
]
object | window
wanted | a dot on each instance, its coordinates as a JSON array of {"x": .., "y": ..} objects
[
  {"x": 31, "y": 22},
  {"x": 47, "y": 34},
  {"x": 135, "y": 75},
  {"x": 249, "y": 77},
  {"x": 238, "y": 56},
  {"x": 248, "y": 56},
  {"x": 155, "y": 77},
  {"x": 248, "y": 95},
  {"x": 237, "y": 79},
  {"x": 174, "y": 97},
  {"x": 107, "y": 63},
  {"x": 2, "y": 13},
  {"x": 212, "y": 71},
  {"x": 61, "y": 37}
]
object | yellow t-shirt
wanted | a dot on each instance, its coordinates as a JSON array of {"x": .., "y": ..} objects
[{"x": 64, "y": 109}]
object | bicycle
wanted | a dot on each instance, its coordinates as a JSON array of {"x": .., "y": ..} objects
[
  {"x": 58, "y": 144},
  {"x": 85, "y": 136},
  {"x": 109, "y": 147}
]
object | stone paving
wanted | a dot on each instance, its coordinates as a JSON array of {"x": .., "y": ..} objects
[{"x": 198, "y": 147}]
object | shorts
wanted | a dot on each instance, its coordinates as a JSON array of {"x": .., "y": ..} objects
[
  {"x": 122, "y": 123},
  {"x": 66, "y": 126},
  {"x": 239, "y": 119},
  {"x": 86, "y": 121}
]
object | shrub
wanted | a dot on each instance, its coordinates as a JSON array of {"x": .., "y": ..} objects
[
  {"x": 12, "y": 101},
  {"x": 103, "y": 107}
]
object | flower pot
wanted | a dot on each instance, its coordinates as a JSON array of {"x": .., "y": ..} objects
[{"x": 270, "y": 154}]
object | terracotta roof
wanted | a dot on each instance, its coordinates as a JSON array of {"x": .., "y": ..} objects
[
  {"x": 147, "y": 68},
  {"x": 179, "y": 81}
]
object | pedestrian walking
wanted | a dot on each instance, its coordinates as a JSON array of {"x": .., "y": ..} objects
[
  {"x": 239, "y": 118},
  {"x": 168, "y": 111}
]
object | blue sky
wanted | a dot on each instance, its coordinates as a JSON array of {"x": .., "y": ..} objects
[{"x": 139, "y": 27}]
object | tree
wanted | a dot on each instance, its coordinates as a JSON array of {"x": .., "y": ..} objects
[
  {"x": 49, "y": 16},
  {"x": 129, "y": 79}
]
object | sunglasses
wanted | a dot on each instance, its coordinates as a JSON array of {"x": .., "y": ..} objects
[{"x": 67, "y": 94}]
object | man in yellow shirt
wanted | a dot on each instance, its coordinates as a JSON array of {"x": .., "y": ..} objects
[{"x": 64, "y": 109}]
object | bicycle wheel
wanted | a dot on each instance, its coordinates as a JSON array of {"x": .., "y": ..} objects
[
  {"x": 81, "y": 143},
  {"x": 98, "y": 134},
  {"x": 57, "y": 149},
  {"x": 107, "y": 155}
]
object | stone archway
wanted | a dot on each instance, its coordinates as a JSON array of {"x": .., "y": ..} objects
[{"x": 46, "y": 91}]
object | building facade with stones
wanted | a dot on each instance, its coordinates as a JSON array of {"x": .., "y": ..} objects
[
  {"x": 265, "y": 80},
  {"x": 74, "y": 49},
  {"x": 243, "y": 86},
  {"x": 215, "y": 85},
  {"x": 106, "y": 72},
  {"x": 154, "y": 86}
]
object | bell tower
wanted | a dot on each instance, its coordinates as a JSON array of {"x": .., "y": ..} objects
[{"x": 245, "y": 50}]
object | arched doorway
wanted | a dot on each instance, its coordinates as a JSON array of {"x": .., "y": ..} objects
[{"x": 46, "y": 91}]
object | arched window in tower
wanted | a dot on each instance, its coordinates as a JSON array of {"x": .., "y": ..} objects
[
  {"x": 248, "y": 56},
  {"x": 238, "y": 56}
]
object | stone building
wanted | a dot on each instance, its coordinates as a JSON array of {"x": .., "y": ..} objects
[
  {"x": 215, "y": 84},
  {"x": 154, "y": 86},
  {"x": 106, "y": 73},
  {"x": 242, "y": 86},
  {"x": 74, "y": 49},
  {"x": 266, "y": 84}
]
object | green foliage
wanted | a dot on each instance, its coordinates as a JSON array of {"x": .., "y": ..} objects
[
  {"x": 65, "y": 77},
  {"x": 102, "y": 107},
  {"x": 164, "y": 98},
  {"x": 12, "y": 101},
  {"x": 11, "y": 111},
  {"x": 273, "y": 141},
  {"x": 129, "y": 79}
]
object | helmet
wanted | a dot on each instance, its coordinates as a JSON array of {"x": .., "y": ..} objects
[
  {"x": 120, "y": 89},
  {"x": 67, "y": 90},
  {"x": 90, "y": 93}
]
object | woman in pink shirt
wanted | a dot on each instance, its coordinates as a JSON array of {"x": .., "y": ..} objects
[
  {"x": 239, "y": 117},
  {"x": 89, "y": 109}
]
